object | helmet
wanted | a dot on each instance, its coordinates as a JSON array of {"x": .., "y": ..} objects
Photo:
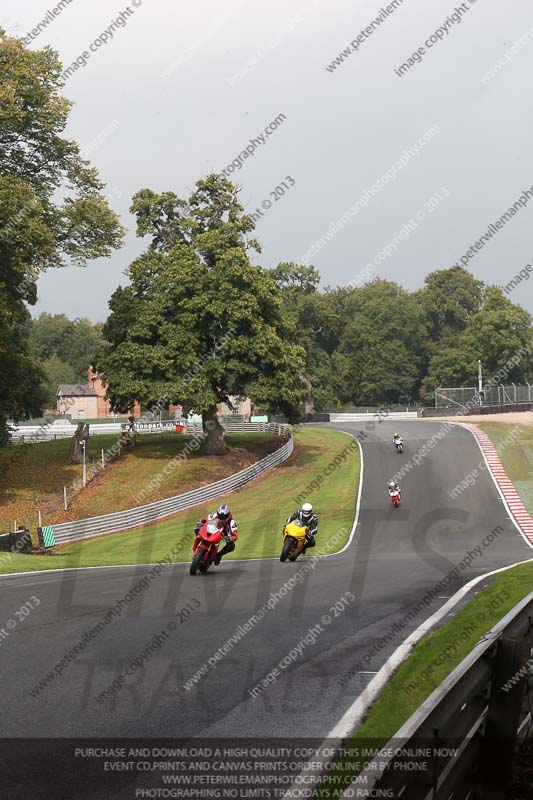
[
  {"x": 392, "y": 484},
  {"x": 223, "y": 512},
  {"x": 396, "y": 435},
  {"x": 307, "y": 510}
]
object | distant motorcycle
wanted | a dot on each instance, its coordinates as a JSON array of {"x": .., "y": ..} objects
[
  {"x": 399, "y": 445},
  {"x": 205, "y": 546},
  {"x": 395, "y": 496}
]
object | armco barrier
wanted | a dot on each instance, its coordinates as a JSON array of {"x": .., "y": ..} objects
[
  {"x": 482, "y": 708},
  {"x": 136, "y": 517},
  {"x": 362, "y": 417}
]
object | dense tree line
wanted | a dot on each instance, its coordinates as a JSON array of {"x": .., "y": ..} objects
[
  {"x": 372, "y": 345},
  {"x": 379, "y": 344},
  {"x": 64, "y": 349}
]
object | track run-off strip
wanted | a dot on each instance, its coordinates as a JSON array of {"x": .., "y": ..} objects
[{"x": 512, "y": 498}]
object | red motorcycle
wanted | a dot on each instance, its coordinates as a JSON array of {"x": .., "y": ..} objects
[
  {"x": 395, "y": 497},
  {"x": 205, "y": 546}
]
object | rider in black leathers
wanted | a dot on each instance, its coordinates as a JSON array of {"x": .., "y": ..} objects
[{"x": 307, "y": 517}]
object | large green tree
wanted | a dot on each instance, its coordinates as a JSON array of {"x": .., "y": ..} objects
[
  {"x": 494, "y": 334},
  {"x": 449, "y": 298},
  {"x": 498, "y": 331},
  {"x": 56, "y": 371},
  {"x": 22, "y": 391},
  {"x": 72, "y": 342},
  {"x": 315, "y": 323},
  {"x": 199, "y": 323},
  {"x": 52, "y": 210},
  {"x": 382, "y": 346}
]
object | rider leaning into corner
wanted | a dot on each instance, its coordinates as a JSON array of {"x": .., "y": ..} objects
[
  {"x": 306, "y": 516},
  {"x": 397, "y": 438},
  {"x": 225, "y": 518}
]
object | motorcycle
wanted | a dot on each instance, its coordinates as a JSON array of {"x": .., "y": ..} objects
[
  {"x": 293, "y": 541},
  {"x": 399, "y": 445},
  {"x": 395, "y": 497},
  {"x": 205, "y": 546}
]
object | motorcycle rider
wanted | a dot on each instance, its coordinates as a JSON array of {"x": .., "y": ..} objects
[
  {"x": 393, "y": 487},
  {"x": 224, "y": 518},
  {"x": 397, "y": 439},
  {"x": 306, "y": 516}
]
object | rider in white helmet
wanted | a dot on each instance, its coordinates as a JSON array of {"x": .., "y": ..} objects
[{"x": 306, "y": 516}]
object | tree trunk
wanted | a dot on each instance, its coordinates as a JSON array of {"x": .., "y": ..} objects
[
  {"x": 126, "y": 440},
  {"x": 307, "y": 395},
  {"x": 76, "y": 443},
  {"x": 213, "y": 443}
]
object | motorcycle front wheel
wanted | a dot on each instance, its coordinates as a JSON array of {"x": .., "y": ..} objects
[
  {"x": 286, "y": 550},
  {"x": 196, "y": 560}
]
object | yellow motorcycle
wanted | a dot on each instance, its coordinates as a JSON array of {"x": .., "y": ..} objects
[{"x": 293, "y": 541}]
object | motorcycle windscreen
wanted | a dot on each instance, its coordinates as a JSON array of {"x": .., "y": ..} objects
[{"x": 294, "y": 529}]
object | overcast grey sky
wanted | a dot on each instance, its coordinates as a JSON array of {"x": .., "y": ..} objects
[{"x": 182, "y": 88}]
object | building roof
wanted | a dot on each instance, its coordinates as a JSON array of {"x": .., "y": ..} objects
[{"x": 76, "y": 390}]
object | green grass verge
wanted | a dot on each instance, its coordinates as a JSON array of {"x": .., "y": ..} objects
[
  {"x": 36, "y": 474},
  {"x": 515, "y": 447},
  {"x": 260, "y": 511},
  {"x": 432, "y": 659}
]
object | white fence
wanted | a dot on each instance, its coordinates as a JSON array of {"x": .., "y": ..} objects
[
  {"x": 143, "y": 515},
  {"x": 32, "y": 434},
  {"x": 382, "y": 415}
]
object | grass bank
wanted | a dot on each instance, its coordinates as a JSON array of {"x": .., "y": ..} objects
[
  {"x": 326, "y": 464},
  {"x": 35, "y": 475}
]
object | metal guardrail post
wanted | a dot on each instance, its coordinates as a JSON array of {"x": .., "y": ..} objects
[{"x": 503, "y": 716}]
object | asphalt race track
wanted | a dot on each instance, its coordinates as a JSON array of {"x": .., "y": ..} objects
[{"x": 396, "y": 556}]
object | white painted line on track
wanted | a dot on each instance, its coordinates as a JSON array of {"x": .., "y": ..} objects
[{"x": 358, "y": 503}]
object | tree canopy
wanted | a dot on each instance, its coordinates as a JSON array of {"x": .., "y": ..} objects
[
  {"x": 199, "y": 322},
  {"x": 64, "y": 348},
  {"x": 52, "y": 210}
]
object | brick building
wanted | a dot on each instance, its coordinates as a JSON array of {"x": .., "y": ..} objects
[{"x": 103, "y": 406}]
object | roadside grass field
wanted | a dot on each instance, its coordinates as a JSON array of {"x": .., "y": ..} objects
[
  {"x": 36, "y": 478},
  {"x": 433, "y": 658},
  {"x": 260, "y": 511},
  {"x": 516, "y": 456}
]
